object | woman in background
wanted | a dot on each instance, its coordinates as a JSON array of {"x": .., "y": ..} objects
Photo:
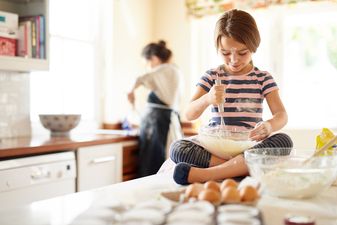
[{"x": 163, "y": 80}]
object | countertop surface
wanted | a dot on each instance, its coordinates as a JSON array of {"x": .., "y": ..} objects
[
  {"x": 25, "y": 146},
  {"x": 63, "y": 210}
]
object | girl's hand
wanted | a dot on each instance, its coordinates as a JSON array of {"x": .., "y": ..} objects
[
  {"x": 216, "y": 95},
  {"x": 261, "y": 131}
]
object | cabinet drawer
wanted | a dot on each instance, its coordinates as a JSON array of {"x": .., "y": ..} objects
[
  {"x": 99, "y": 166},
  {"x": 130, "y": 159},
  {"x": 129, "y": 176}
]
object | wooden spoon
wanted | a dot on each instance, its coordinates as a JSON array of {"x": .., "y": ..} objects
[{"x": 321, "y": 150}]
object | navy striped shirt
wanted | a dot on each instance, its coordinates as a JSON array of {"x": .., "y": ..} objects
[{"x": 244, "y": 97}]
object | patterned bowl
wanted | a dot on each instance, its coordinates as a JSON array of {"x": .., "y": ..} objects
[{"x": 60, "y": 124}]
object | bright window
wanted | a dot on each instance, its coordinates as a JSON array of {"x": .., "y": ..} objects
[
  {"x": 70, "y": 86},
  {"x": 310, "y": 69}
]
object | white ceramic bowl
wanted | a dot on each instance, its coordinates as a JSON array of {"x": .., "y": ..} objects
[
  {"x": 282, "y": 173},
  {"x": 223, "y": 142},
  {"x": 59, "y": 124}
]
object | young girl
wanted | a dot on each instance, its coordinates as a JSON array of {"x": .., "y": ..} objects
[{"x": 241, "y": 92}]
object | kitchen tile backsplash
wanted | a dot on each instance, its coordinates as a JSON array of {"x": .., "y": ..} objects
[{"x": 14, "y": 104}]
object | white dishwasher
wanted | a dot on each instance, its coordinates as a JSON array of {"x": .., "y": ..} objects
[{"x": 28, "y": 179}]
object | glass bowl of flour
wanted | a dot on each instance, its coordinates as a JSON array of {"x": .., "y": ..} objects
[
  {"x": 282, "y": 172},
  {"x": 224, "y": 142}
]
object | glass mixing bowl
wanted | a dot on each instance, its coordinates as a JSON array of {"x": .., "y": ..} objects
[
  {"x": 224, "y": 142},
  {"x": 282, "y": 173},
  {"x": 263, "y": 160}
]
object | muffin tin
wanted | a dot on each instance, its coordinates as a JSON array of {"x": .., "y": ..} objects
[{"x": 163, "y": 212}]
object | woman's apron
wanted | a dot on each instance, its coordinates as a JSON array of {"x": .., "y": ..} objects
[{"x": 158, "y": 128}]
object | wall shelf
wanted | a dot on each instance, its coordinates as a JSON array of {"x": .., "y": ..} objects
[
  {"x": 20, "y": 64},
  {"x": 26, "y": 8}
]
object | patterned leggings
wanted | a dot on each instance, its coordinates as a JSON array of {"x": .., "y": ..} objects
[{"x": 189, "y": 152}]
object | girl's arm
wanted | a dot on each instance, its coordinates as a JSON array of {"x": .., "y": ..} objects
[
  {"x": 202, "y": 99},
  {"x": 280, "y": 116},
  {"x": 277, "y": 122}
]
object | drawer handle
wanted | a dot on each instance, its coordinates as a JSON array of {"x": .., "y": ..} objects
[
  {"x": 103, "y": 159},
  {"x": 42, "y": 174}
]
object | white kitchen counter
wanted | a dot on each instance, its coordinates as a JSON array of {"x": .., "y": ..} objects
[{"x": 63, "y": 210}]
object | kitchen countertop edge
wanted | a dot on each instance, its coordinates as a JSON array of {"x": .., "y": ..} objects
[{"x": 26, "y": 146}]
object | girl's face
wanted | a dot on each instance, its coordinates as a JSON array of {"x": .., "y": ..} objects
[{"x": 237, "y": 56}]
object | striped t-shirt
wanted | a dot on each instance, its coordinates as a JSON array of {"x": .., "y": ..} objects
[{"x": 244, "y": 97}]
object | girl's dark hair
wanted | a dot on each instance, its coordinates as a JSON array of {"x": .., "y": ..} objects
[
  {"x": 239, "y": 25},
  {"x": 157, "y": 49}
]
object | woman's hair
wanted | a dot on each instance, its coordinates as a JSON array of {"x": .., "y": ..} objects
[
  {"x": 157, "y": 49},
  {"x": 240, "y": 26}
]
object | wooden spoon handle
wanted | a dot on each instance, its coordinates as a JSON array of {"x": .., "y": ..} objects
[{"x": 321, "y": 150}]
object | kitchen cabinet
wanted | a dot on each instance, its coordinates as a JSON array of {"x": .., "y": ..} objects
[
  {"x": 130, "y": 160},
  {"x": 26, "y": 8},
  {"x": 114, "y": 165},
  {"x": 99, "y": 165}
]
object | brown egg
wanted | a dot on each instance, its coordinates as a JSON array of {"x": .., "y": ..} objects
[
  {"x": 228, "y": 183},
  {"x": 210, "y": 196},
  {"x": 193, "y": 190},
  {"x": 248, "y": 194},
  {"x": 230, "y": 195},
  {"x": 212, "y": 185}
]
